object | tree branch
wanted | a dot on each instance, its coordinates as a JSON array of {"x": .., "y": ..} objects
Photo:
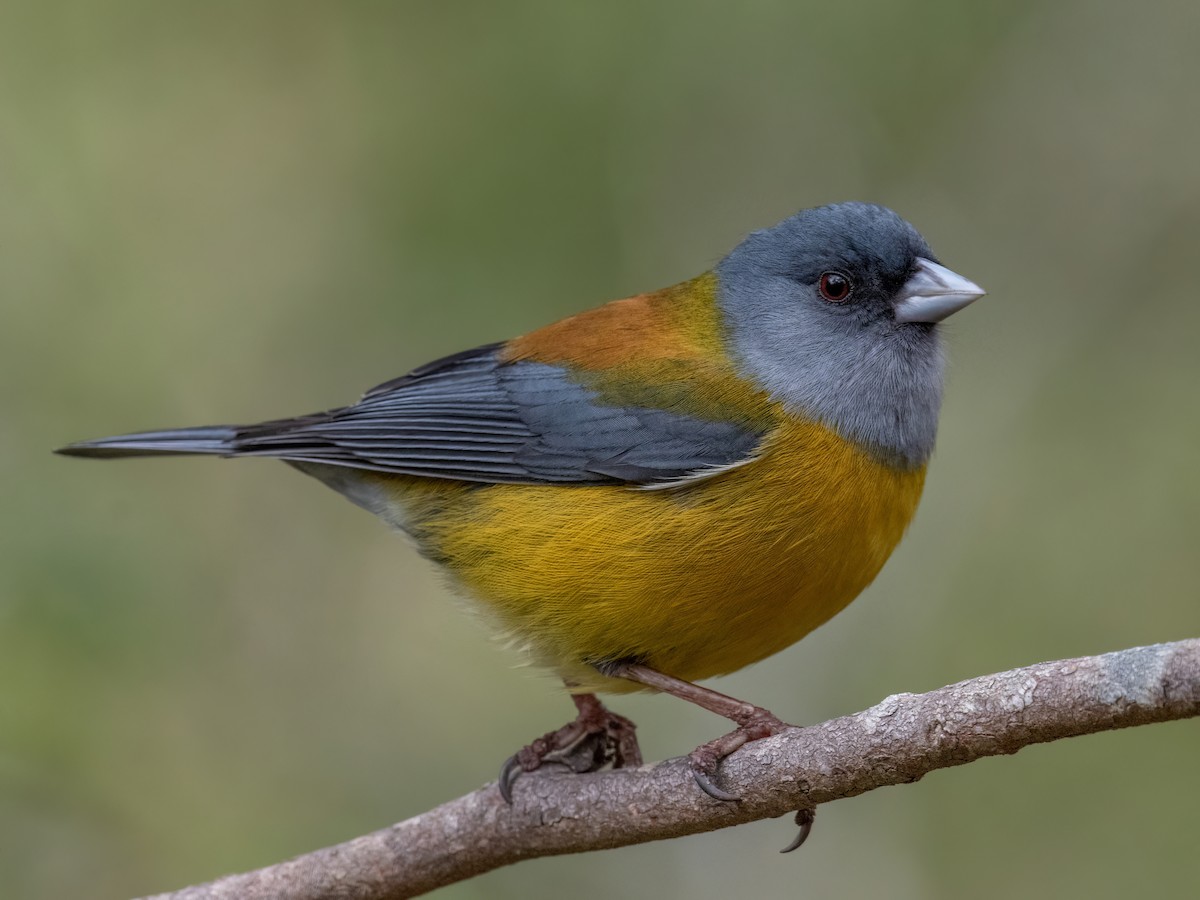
[{"x": 896, "y": 741}]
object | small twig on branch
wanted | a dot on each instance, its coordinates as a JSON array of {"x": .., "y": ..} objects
[{"x": 896, "y": 741}]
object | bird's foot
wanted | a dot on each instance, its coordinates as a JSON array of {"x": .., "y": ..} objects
[
  {"x": 754, "y": 724},
  {"x": 595, "y": 738}
]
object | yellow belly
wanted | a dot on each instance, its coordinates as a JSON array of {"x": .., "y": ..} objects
[{"x": 694, "y": 581}]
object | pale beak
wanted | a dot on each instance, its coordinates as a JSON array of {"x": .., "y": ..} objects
[{"x": 934, "y": 292}]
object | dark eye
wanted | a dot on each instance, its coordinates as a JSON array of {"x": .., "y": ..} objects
[{"x": 835, "y": 287}]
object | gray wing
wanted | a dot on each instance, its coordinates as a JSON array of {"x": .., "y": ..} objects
[{"x": 471, "y": 417}]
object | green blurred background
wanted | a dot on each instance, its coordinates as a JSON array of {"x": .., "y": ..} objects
[{"x": 231, "y": 211}]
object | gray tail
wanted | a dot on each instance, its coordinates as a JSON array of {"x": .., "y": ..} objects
[{"x": 211, "y": 439}]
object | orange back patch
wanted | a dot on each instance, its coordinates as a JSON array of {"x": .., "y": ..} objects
[{"x": 663, "y": 350}]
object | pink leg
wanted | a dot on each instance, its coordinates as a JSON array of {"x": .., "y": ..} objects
[{"x": 753, "y": 722}]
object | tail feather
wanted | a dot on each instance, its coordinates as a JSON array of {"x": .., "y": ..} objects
[{"x": 210, "y": 440}]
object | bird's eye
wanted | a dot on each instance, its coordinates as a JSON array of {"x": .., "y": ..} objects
[{"x": 835, "y": 287}]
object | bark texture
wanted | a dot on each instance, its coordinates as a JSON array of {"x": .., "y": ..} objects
[{"x": 896, "y": 741}]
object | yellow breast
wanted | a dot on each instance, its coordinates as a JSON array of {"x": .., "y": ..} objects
[{"x": 694, "y": 581}]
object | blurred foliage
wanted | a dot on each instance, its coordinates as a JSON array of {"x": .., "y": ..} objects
[{"x": 229, "y": 211}]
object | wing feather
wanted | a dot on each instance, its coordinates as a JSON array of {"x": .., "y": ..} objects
[{"x": 475, "y": 417}]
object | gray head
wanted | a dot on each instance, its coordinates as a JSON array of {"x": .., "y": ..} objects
[{"x": 834, "y": 312}]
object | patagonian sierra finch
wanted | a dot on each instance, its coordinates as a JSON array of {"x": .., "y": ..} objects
[{"x": 665, "y": 488}]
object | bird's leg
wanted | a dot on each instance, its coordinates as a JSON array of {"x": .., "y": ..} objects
[
  {"x": 753, "y": 722},
  {"x": 594, "y": 738}
]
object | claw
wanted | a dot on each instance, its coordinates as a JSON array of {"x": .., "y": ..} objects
[
  {"x": 709, "y": 787},
  {"x": 804, "y": 818},
  {"x": 508, "y": 775},
  {"x": 706, "y": 759}
]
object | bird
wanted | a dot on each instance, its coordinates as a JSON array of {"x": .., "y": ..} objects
[{"x": 662, "y": 489}]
